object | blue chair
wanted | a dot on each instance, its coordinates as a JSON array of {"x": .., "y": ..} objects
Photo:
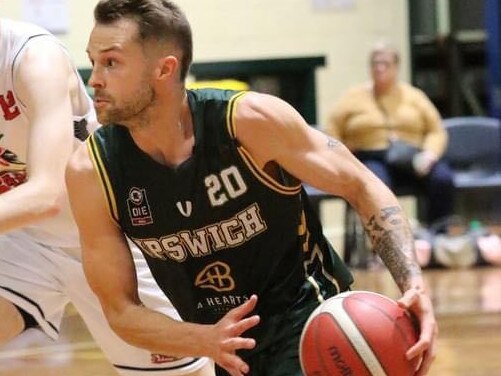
[
  {"x": 474, "y": 151},
  {"x": 474, "y": 154}
]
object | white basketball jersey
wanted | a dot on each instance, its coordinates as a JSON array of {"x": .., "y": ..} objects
[{"x": 15, "y": 36}]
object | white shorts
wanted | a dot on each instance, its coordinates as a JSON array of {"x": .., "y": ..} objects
[{"x": 42, "y": 280}]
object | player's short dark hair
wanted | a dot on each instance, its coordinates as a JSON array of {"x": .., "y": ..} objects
[{"x": 160, "y": 20}]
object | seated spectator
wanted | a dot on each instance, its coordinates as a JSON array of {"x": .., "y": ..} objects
[{"x": 371, "y": 116}]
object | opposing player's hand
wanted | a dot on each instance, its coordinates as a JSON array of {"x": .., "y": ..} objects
[
  {"x": 228, "y": 340},
  {"x": 419, "y": 304}
]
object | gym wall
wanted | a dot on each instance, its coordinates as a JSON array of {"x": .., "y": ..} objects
[{"x": 260, "y": 29}]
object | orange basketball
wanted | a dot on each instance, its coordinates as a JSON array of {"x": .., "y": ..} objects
[{"x": 358, "y": 333}]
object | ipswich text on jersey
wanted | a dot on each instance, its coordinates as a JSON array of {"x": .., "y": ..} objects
[{"x": 228, "y": 233}]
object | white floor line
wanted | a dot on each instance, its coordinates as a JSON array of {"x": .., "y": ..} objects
[{"x": 47, "y": 349}]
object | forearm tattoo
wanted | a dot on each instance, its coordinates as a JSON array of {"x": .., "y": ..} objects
[
  {"x": 332, "y": 143},
  {"x": 392, "y": 240}
]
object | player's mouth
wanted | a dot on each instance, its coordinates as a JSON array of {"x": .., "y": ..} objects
[{"x": 100, "y": 102}]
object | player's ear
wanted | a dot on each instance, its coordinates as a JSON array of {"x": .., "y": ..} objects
[{"x": 168, "y": 67}]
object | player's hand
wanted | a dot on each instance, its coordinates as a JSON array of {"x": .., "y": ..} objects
[
  {"x": 228, "y": 340},
  {"x": 417, "y": 302}
]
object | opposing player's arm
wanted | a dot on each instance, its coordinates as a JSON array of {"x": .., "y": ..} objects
[
  {"x": 272, "y": 131},
  {"x": 42, "y": 81},
  {"x": 109, "y": 269}
]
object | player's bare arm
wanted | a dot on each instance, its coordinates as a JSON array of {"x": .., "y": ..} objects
[
  {"x": 109, "y": 270},
  {"x": 273, "y": 131},
  {"x": 280, "y": 135},
  {"x": 50, "y": 139},
  {"x": 392, "y": 240}
]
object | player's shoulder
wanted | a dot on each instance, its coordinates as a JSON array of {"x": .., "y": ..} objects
[
  {"x": 16, "y": 29},
  {"x": 255, "y": 106},
  {"x": 212, "y": 97},
  {"x": 242, "y": 105},
  {"x": 41, "y": 51},
  {"x": 81, "y": 178},
  {"x": 259, "y": 117},
  {"x": 44, "y": 56},
  {"x": 79, "y": 163}
]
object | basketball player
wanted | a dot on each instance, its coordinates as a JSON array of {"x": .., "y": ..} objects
[
  {"x": 44, "y": 113},
  {"x": 207, "y": 184}
]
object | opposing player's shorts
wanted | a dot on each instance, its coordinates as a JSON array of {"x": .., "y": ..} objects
[{"x": 43, "y": 280}]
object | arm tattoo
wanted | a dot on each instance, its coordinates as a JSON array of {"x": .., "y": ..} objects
[
  {"x": 332, "y": 143},
  {"x": 392, "y": 240}
]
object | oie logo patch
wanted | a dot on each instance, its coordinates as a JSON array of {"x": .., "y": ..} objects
[{"x": 139, "y": 209}]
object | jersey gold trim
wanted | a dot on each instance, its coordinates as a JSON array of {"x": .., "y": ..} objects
[
  {"x": 262, "y": 176},
  {"x": 103, "y": 176},
  {"x": 230, "y": 124},
  {"x": 265, "y": 178}
]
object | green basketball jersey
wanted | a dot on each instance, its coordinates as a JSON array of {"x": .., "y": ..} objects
[{"x": 216, "y": 229}]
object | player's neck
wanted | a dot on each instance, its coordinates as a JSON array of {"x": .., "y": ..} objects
[{"x": 168, "y": 138}]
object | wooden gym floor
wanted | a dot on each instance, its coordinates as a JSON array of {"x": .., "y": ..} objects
[{"x": 467, "y": 303}]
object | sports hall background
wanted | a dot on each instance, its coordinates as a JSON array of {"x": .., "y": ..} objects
[{"x": 340, "y": 34}]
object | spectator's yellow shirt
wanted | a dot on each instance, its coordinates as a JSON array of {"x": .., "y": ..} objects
[{"x": 363, "y": 123}]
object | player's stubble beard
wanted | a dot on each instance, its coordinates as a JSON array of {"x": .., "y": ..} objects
[{"x": 131, "y": 112}]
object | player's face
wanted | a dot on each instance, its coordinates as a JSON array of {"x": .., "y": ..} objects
[
  {"x": 384, "y": 68},
  {"x": 120, "y": 73}
]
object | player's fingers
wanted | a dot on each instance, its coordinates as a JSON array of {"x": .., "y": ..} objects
[
  {"x": 245, "y": 324},
  {"x": 239, "y": 343},
  {"x": 235, "y": 365},
  {"x": 427, "y": 360},
  {"x": 425, "y": 365},
  {"x": 427, "y": 339},
  {"x": 418, "y": 349},
  {"x": 244, "y": 309},
  {"x": 409, "y": 298}
]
